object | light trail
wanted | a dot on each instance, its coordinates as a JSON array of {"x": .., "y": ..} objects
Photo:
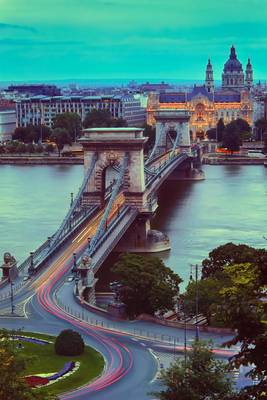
[{"x": 120, "y": 359}]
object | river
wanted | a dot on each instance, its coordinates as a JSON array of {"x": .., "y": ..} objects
[{"x": 230, "y": 205}]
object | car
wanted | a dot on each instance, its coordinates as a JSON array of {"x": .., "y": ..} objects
[
  {"x": 26, "y": 278},
  {"x": 70, "y": 278}
]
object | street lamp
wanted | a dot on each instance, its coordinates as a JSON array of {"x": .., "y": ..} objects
[
  {"x": 31, "y": 267},
  {"x": 197, "y": 296},
  {"x": 76, "y": 285},
  {"x": 12, "y": 297},
  {"x": 74, "y": 268}
]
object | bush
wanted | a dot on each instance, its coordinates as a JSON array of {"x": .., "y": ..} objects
[{"x": 69, "y": 343}]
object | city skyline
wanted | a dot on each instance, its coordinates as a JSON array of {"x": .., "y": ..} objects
[{"x": 106, "y": 39}]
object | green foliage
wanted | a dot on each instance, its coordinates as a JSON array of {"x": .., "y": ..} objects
[
  {"x": 71, "y": 122},
  {"x": 12, "y": 383},
  {"x": 234, "y": 133},
  {"x": 200, "y": 378},
  {"x": 241, "y": 270},
  {"x": 61, "y": 137},
  {"x": 150, "y": 133},
  {"x": 32, "y": 133},
  {"x": 148, "y": 285},
  {"x": 261, "y": 125},
  {"x": 228, "y": 254},
  {"x": 69, "y": 343},
  {"x": 212, "y": 133},
  {"x": 220, "y": 130},
  {"x": 208, "y": 294},
  {"x": 102, "y": 118}
]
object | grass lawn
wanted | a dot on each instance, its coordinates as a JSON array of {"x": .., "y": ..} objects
[{"x": 44, "y": 360}]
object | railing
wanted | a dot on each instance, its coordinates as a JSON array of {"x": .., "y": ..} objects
[
  {"x": 162, "y": 166},
  {"x": 113, "y": 328},
  {"x": 112, "y": 227},
  {"x": 76, "y": 203}
]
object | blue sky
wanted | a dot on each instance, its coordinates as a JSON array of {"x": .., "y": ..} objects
[{"x": 141, "y": 39}]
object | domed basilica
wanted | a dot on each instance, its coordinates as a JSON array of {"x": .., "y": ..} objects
[{"x": 206, "y": 103}]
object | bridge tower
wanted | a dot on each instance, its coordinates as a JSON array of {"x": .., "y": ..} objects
[
  {"x": 169, "y": 123},
  {"x": 109, "y": 146}
]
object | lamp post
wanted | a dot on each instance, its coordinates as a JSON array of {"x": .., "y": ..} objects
[
  {"x": 76, "y": 285},
  {"x": 74, "y": 268},
  {"x": 12, "y": 297},
  {"x": 197, "y": 296},
  {"x": 71, "y": 199},
  {"x": 31, "y": 267}
]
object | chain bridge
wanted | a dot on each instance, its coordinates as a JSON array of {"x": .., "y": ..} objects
[{"x": 118, "y": 195}]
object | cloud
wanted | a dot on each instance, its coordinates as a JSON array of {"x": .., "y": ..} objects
[{"x": 5, "y": 26}]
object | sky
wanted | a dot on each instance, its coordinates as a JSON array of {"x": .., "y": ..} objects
[{"x": 128, "y": 39}]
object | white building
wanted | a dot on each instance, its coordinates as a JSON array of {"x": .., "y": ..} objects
[
  {"x": 7, "y": 123},
  {"x": 41, "y": 109}
]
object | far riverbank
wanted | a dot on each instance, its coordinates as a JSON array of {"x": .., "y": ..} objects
[
  {"x": 211, "y": 159},
  {"x": 40, "y": 160}
]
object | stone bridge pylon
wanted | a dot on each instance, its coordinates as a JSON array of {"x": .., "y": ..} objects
[
  {"x": 172, "y": 126},
  {"x": 110, "y": 145}
]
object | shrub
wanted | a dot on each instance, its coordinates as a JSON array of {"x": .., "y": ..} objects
[{"x": 69, "y": 343}]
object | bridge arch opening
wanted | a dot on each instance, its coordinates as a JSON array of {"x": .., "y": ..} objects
[{"x": 109, "y": 175}]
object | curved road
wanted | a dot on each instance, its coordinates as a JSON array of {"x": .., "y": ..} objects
[{"x": 130, "y": 357}]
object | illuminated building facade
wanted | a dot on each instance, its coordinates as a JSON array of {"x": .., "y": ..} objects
[{"x": 206, "y": 104}]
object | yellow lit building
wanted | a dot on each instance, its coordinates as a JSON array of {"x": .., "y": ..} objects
[{"x": 207, "y": 105}]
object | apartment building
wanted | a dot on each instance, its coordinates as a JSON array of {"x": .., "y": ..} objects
[{"x": 41, "y": 109}]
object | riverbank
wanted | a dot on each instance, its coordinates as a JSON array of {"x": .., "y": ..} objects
[
  {"x": 39, "y": 160},
  {"x": 232, "y": 160}
]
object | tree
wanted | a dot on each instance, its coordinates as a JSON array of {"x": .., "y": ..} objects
[
  {"x": 71, "y": 122},
  {"x": 69, "y": 343},
  {"x": 200, "y": 378},
  {"x": 234, "y": 133},
  {"x": 102, "y": 118},
  {"x": 97, "y": 118},
  {"x": 61, "y": 137},
  {"x": 220, "y": 130},
  {"x": 150, "y": 133},
  {"x": 212, "y": 134},
  {"x": 208, "y": 297},
  {"x": 12, "y": 383},
  {"x": 148, "y": 285},
  {"x": 261, "y": 125},
  {"x": 21, "y": 134},
  {"x": 231, "y": 140},
  {"x": 229, "y": 254}
]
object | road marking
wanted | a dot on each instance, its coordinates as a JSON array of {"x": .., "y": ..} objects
[{"x": 157, "y": 374}]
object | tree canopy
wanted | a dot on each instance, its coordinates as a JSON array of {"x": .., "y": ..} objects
[
  {"x": 238, "y": 274},
  {"x": 69, "y": 121},
  {"x": 228, "y": 254},
  {"x": 234, "y": 133},
  {"x": 102, "y": 118},
  {"x": 261, "y": 125},
  {"x": 32, "y": 133},
  {"x": 201, "y": 377},
  {"x": 61, "y": 137},
  {"x": 148, "y": 285},
  {"x": 149, "y": 132}
]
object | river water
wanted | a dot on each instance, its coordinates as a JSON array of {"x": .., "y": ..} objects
[{"x": 230, "y": 205}]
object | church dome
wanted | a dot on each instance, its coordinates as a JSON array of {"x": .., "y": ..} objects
[{"x": 233, "y": 64}]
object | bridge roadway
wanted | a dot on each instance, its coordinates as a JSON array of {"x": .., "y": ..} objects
[{"x": 130, "y": 365}]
